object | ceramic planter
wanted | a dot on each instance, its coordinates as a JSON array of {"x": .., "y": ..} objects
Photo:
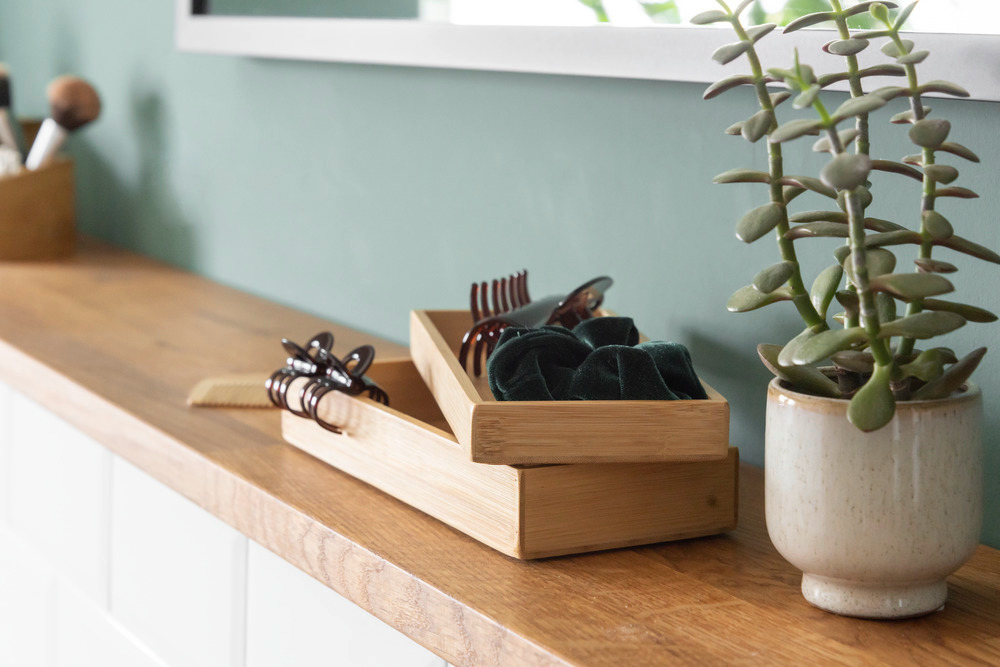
[{"x": 875, "y": 521}]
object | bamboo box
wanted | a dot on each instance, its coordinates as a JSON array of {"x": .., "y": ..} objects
[
  {"x": 409, "y": 452},
  {"x": 537, "y": 432},
  {"x": 37, "y": 214}
]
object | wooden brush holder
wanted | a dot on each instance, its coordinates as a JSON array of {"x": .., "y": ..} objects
[{"x": 38, "y": 211}]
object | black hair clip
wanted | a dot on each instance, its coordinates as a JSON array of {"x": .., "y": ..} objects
[
  {"x": 301, "y": 362},
  {"x": 346, "y": 375},
  {"x": 326, "y": 373}
]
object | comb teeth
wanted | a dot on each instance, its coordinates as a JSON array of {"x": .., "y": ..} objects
[{"x": 498, "y": 296}]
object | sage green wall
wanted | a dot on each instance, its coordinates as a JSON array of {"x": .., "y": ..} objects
[{"x": 360, "y": 192}]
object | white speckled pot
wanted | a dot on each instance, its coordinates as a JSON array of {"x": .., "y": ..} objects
[{"x": 875, "y": 521}]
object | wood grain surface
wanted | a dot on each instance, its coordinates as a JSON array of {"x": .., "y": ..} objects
[{"x": 113, "y": 342}]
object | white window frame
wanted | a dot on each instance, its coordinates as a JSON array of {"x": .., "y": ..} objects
[{"x": 665, "y": 53}]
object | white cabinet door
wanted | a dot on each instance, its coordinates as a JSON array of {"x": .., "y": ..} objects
[{"x": 292, "y": 619}]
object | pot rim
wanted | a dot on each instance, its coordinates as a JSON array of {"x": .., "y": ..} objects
[{"x": 778, "y": 387}]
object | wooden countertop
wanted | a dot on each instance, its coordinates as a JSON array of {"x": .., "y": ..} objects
[{"x": 113, "y": 342}]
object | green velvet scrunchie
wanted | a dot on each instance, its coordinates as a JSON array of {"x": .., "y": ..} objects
[{"x": 600, "y": 359}]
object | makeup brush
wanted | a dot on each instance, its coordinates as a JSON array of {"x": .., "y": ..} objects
[
  {"x": 74, "y": 103},
  {"x": 8, "y": 129}
]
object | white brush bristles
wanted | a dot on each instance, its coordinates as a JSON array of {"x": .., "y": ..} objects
[{"x": 48, "y": 142}]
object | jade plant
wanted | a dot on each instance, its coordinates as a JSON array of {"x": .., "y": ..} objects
[{"x": 867, "y": 352}]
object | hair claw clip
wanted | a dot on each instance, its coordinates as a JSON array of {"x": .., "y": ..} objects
[
  {"x": 301, "y": 362},
  {"x": 346, "y": 375},
  {"x": 512, "y": 306}
]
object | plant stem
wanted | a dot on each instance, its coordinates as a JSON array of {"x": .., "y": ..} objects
[
  {"x": 862, "y": 143},
  {"x": 859, "y": 264},
  {"x": 929, "y": 186},
  {"x": 800, "y": 295}
]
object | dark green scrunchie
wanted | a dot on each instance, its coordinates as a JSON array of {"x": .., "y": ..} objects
[{"x": 600, "y": 359}]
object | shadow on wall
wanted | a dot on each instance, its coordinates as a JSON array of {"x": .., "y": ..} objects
[
  {"x": 737, "y": 373},
  {"x": 140, "y": 212}
]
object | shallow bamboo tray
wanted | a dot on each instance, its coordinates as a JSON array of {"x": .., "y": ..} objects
[
  {"x": 37, "y": 213},
  {"x": 535, "y": 432},
  {"x": 524, "y": 512}
]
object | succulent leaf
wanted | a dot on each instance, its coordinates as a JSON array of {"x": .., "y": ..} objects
[
  {"x": 892, "y": 50},
  {"x": 897, "y": 168},
  {"x": 886, "y": 69},
  {"x": 711, "y": 16},
  {"x": 879, "y": 261},
  {"x": 857, "y": 106},
  {"x": 818, "y": 229},
  {"x": 874, "y": 405},
  {"x": 757, "y": 125},
  {"x": 846, "y": 171},
  {"x": 946, "y": 87},
  {"x": 929, "y": 365},
  {"x": 961, "y": 193},
  {"x": 856, "y": 361},
  {"x": 806, "y": 97},
  {"x": 790, "y": 192},
  {"x": 730, "y": 82},
  {"x": 779, "y": 97},
  {"x": 863, "y": 7},
  {"x": 871, "y": 34},
  {"x": 968, "y": 247},
  {"x": 903, "y": 15},
  {"x": 904, "y": 117},
  {"x": 959, "y": 150},
  {"x": 930, "y": 132},
  {"x": 787, "y": 352},
  {"x": 735, "y": 129},
  {"x": 910, "y": 286},
  {"x": 825, "y": 343},
  {"x": 879, "y": 12},
  {"x": 928, "y": 265},
  {"x": 810, "y": 183},
  {"x": 880, "y": 225},
  {"x": 794, "y": 129},
  {"x": 971, "y": 313},
  {"x": 885, "y": 306},
  {"x": 757, "y": 32},
  {"x": 727, "y": 53},
  {"x": 742, "y": 176},
  {"x": 937, "y": 226},
  {"x": 846, "y": 47},
  {"x": 759, "y": 221},
  {"x": 927, "y": 324},
  {"x": 897, "y": 237},
  {"x": 941, "y": 173},
  {"x": 773, "y": 277},
  {"x": 805, "y": 378},
  {"x": 748, "y": 298},
  {"x": 952, "y": 379},
  {"x": 818, "y": 216},
  {"x": 841, "y": 253},
  {"x": 849, "y": 300},
  {"x": 913, "y": 58},
  {"x": 824, "y": 287},
  {"x": 808, "y": 20}
]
